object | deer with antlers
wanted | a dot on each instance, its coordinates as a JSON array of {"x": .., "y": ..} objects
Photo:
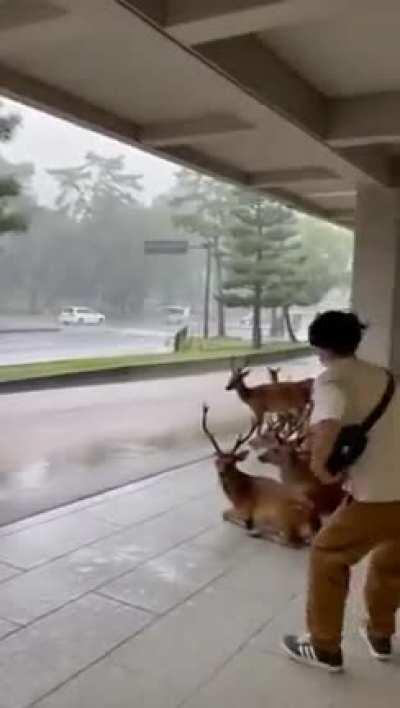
[
  {"x": 280, "y": 397},
  {"x": 286, "y": 448},
  {"x": 263, "y": 505}
]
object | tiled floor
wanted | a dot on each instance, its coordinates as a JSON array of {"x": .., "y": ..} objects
[{"x": 143, "y": 598}]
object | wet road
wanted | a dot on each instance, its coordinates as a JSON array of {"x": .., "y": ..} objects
[
  {"x": 61, "y": 445},
  {"x": 81, "y": 341}
]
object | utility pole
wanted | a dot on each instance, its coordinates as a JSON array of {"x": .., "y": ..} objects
[{"x": 207, "y": 287}]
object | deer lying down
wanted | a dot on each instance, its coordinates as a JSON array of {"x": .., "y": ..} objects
[
  {"x": 284, "y": 450},
  {"x": 279, "y": 397},
  {"x": 264, "y": 506}
]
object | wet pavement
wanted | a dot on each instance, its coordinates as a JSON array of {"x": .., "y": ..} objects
[
  {"x": 40, "y": 339},
  {"x": 61, "y": 445},
  {"x": 144, "y": 598},
  {"x": 81, "y": 341}
]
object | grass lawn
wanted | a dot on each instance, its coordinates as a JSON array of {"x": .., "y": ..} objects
[{"x": 195, "y": 350}]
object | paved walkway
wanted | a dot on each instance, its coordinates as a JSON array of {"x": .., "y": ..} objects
[{"x": 142, "y": 597}]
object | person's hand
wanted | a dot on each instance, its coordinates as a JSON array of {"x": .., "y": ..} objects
[
  {"x": 323, "y": 437},
  {"x": 326, "y": 477}
]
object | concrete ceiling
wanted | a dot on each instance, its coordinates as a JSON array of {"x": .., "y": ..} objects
[{"x": 298, "y": 98}]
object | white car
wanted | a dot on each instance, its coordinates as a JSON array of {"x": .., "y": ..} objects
[
  {"x": 176, "y": 314},
  {"x": 80, "y": 315}
]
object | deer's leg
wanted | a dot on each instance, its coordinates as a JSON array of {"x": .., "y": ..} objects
[
  {"x": 252, "y": 529},
  {"x": 236, "y": 516},
  {"x": 264, "y": 526},
  {"x": 260, "y": 422},
  {"x": 286, "y": 531},
  {"x": 241, "y": 516}
]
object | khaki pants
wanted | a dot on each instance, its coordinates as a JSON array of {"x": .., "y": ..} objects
[{"x": 352, "y": 532}]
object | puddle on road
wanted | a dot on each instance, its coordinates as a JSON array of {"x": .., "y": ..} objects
[
  {"x": 81, "y": 461},
  {"x": 100, "y": 452},
  {"x": 32, "y": 476}
]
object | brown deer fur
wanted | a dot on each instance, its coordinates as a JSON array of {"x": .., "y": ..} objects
[
  {"x": 294, "y": 468},
  {"x": 261, "y": 504},
  {"x": 278, "y": 397}
]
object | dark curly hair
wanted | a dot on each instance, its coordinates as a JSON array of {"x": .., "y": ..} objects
[{"x": 337, "y": 332}]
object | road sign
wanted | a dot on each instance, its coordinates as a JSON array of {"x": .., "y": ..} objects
[{"x": 166, "y": 247}]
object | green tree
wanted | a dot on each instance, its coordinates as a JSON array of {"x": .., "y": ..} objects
[
  {"x": 102, "y": 199},
  {"x": 266, "y": 257},
  {"x": 11, "y": 218},
  {"x": 203, "y": 208},
  {"x": 88, "y": 188},
  {"x": 326, "y": 264},
  {"x": 329, "y": 251}
]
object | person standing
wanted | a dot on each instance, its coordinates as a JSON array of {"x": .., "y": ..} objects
[{"x": 369, "y": 520}]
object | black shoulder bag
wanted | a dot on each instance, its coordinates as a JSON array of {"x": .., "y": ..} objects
[{"x": 352, "y": 439}]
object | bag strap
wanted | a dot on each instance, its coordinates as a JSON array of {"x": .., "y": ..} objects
[{"x": 381, "y": 407}]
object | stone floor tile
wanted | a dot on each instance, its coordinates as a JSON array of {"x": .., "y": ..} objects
[
  {"x": 258, "y": 680},
  {"x": 39, "y": 657},
  {"x": 167, "y": 580},
  {"x": 107, "y": 685},
  {"x": 186, "y": 646},
  {"x": 33, "y": 546}
]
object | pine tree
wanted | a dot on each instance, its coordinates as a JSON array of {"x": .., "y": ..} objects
[
  {"x": 10, "y": 219},
  {"x": 265, "y": 268},
  {"x": 94, "y": 185},
  {"x": 203, "y": 207}
]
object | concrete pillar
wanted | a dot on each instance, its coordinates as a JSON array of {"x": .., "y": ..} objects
[{"x": 376, "y": 279}]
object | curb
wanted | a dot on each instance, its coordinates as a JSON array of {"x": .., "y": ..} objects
[{"x": 143, "y": 373}]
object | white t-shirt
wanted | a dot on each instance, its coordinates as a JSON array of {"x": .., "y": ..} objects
[{"x": 348, "y": 391}]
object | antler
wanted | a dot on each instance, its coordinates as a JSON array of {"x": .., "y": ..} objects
[
  {"x": 210, "y": 436},
  {"x": 242, "y": 439},
  {"x": 294, "y": 428},
  {"x": 274, "y": 374}
]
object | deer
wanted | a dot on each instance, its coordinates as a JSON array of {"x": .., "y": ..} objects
[
  {"x": 285, "y": 450},
  {"x": 278, "y": 397},
  {"x": 262, "y": 505}
]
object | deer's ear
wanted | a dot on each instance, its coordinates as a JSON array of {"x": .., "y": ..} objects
[{"x": 241, "y": 456}]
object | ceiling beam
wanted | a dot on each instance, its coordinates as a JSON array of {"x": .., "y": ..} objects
[
  {"x": 62, "y": 104},
  {"x": 291, "y": 175},
  {"x": 293, "y": 201},
  {"x": 395, "y": 171},
  {"x": 197, "y": 21},
  {"x": 18, "y": 13},
  {"x": 261, "y": 73},
  {"x": 329, "y": 194},
  {"x": 195, "y": 159},
  {"x": 364, "y": 120},
  {"x": 372, "y": 161},
  {"x": 188, "y": 131},
  {"x": 258, "y": 71},
  {"x": 343, "y": 216},
  {"x": 154, "y": 10}
]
